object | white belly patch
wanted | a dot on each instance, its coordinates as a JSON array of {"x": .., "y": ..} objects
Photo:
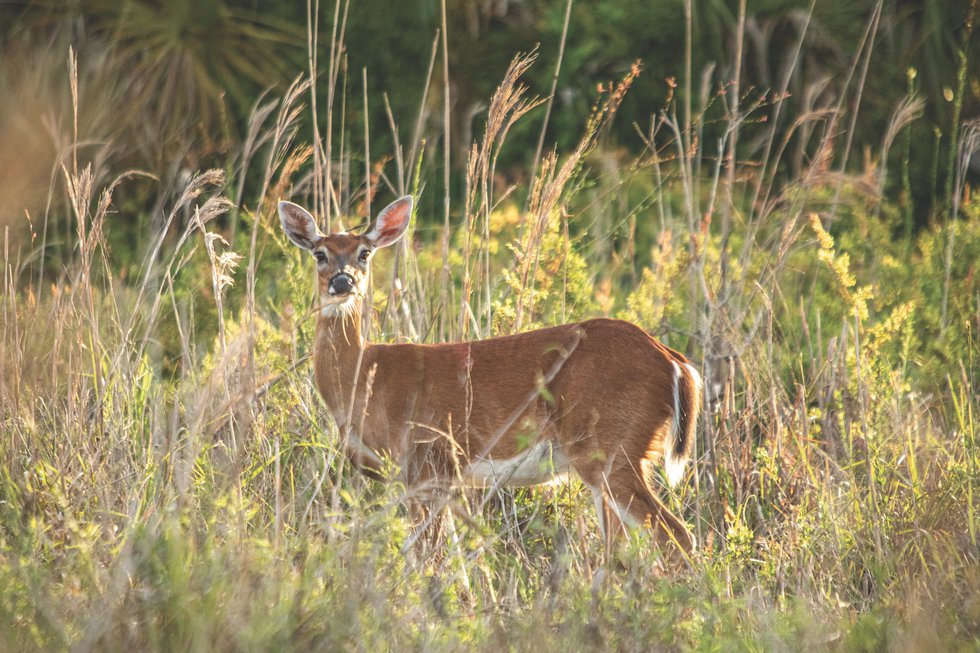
[{"x": 540, "y": 463}]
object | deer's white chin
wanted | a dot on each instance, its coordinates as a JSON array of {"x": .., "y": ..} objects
[{"x": 336, "y": 307}]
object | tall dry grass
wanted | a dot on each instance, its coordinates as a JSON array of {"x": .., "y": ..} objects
[{"x": 171, "y": 481}]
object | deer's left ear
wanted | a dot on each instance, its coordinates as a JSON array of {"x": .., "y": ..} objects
[
  {"x": 299, "y": 225},
  {"x": 392, "y": 223}
]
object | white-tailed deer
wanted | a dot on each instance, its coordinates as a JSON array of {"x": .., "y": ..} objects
[{"x": 599, "y": 398}]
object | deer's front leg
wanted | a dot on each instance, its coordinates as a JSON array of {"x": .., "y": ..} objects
[{"x": 362, "y": 457}]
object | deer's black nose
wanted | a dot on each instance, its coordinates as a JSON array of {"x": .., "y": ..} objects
[{"x": 341, "y": 284}]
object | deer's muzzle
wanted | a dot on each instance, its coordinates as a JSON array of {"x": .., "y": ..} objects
[{"x": 341, "y": 284}]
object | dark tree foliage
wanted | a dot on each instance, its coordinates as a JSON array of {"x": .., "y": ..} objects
[{"x": 192, "y": 70}]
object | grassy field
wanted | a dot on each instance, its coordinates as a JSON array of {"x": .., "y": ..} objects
[{"x": 171, "y": 481}]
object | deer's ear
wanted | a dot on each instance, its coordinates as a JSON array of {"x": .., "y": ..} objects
[
  {"x": 392, "y": 223},
  {"x": 299, "y": 225}
]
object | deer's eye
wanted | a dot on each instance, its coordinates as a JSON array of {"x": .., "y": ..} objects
[
  {"x": 364, "y": 255},
  {"x": 320, "y": 256}
]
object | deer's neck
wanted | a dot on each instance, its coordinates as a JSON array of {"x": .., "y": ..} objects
[{"x": 338, "y": 356}]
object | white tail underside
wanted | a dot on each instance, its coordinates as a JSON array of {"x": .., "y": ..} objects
[{"x": 674, "y": 464}]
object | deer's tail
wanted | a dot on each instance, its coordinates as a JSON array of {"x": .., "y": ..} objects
[{"x": 687, "y": 407}]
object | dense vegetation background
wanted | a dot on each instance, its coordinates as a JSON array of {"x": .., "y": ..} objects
[{"x": 782, "y": 189}]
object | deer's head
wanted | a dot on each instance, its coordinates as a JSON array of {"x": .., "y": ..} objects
[{"x": 343, "y": 259}]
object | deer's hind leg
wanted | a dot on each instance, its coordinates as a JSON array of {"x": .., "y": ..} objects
[{"x": 624, "y": 500}]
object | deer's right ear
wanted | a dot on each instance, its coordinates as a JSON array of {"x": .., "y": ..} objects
[
  {"x": 391, "y": 223},
  {"x": 299, "y": 225}
]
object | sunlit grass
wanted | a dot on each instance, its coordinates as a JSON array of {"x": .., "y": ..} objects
[{"x": 171, "y": 480}]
